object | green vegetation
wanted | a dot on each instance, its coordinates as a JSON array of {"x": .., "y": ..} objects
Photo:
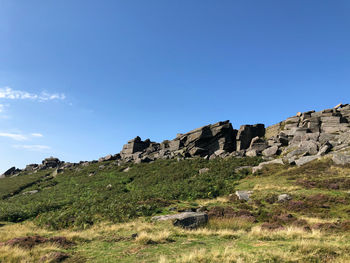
[
  {"x": 83, "y": 196},
  {"x": 106, "y": 211}
]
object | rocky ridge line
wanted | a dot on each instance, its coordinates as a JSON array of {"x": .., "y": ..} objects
[{"x": 298, "y": 140}]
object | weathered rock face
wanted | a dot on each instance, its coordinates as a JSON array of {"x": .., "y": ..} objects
[
  {"x": 299, "y": 139},
  {"x": 306, "y": 134},
  {"x": 208, "y": 140},
  {"x": 246, "y": 133},
  {"x": 311, "y": 134}
]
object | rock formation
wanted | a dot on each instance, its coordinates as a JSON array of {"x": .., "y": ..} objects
[{"x": 299, "y": 139}]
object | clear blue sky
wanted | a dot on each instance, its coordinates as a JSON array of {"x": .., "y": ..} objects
[{"x": 78, "y": 78}]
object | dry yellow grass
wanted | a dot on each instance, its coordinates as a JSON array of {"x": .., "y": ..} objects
[
  {"x": 228, "y": 254},
  {"x": 15, "y": 254},
  {"x": 21, "y": 229},
  {"x": 261, "y": 187},
  {"x": 316, "y": 220},
  {"x": 153, "y": 238},
  {"x": 205, "y": 202},
  {"x": 290, "y": 232}
]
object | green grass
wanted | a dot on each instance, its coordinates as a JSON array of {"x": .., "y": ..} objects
[{"x": 74, "y": 198}]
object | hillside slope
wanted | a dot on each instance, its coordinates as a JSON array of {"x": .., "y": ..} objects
[
  {"x": 312, "y": 225},
  {"x": 280, "y": 194}
]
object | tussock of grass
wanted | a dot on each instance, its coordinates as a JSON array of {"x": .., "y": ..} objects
[
  {"x": 283, "y": 234},
  {"x": 15, "y": 254},
  {"x": 154, "y": 238}
]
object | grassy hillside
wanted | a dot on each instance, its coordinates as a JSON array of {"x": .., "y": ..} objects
[
  {"x": 82, "y": 196},
  {"x": 105, "y": 211}
]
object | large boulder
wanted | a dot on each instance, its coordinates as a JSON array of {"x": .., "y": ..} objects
[
  {"x": 50, "y": 162},
  {"x": 271, "y": 151},
  {"x": 258, "y": 144},
  {"x": 11, "y": 171},
  {"x": 188, "y": 220}
]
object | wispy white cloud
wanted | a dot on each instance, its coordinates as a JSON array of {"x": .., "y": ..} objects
[
  {"x": 37, "y": 135},
  {"x": 19, "y": 136},
  {"x": 2, "y": 106},
  {"x": 32, "y": 147},
  {"x": 8, "y": 93},
  {"x": 14, "y": 136}
]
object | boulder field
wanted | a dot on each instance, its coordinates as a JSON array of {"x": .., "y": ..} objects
[{"x": 296, "y": 140}]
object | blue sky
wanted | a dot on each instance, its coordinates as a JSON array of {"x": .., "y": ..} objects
[{"x": 79, "y": 78}]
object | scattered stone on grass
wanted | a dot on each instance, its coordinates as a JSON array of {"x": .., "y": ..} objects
[{"x": 187, "y": 220}]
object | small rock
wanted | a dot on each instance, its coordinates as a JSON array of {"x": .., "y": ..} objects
[
  {"x": 203, "y": 170},
  {"x": 284, "y": 197},
  {"x": 30, "y": 192},
  {"x": 109, "y": 186},
  {"x": 251, "y": 153},
  {"x": 244, "y": 195}
]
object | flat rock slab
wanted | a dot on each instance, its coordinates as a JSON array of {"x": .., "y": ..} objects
[
  {"x": 306, "y": 159},
  {"x": 188, "y": 220},
  {"x": 341, "y": 159},
  {"x": 261, "y": 165}
]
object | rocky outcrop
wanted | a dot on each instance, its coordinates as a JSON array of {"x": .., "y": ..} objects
[
  {"x": 299, "y": 139},
  {"x": 306, "y": 136},
  {"x": 12, "y": 171},
  {"x": 50, "y": 162},
  {"x": 209, "y": 140}
]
